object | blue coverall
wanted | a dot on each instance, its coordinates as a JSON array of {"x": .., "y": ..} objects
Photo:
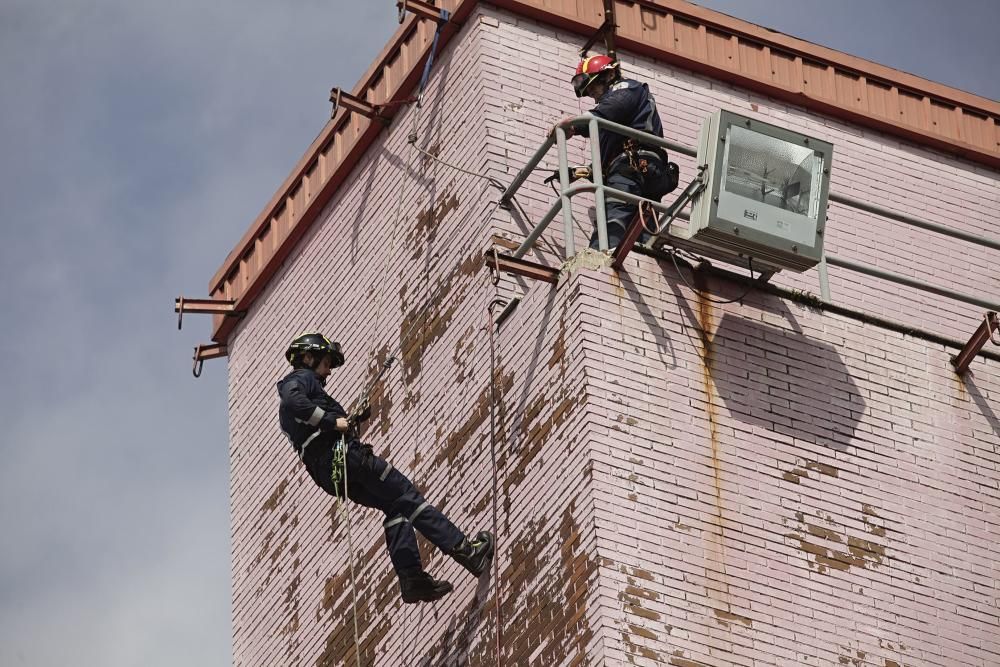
[
  {"x": 628, "y": 103},
  {"x": 308, "y": 417}
]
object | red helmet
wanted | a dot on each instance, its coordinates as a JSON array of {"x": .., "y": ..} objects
[{"x": 589, "y": 69}]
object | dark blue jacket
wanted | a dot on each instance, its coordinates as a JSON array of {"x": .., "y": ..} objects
[
  {"x": 628, "y": 103},
  {"x": 305, "y": 408}
]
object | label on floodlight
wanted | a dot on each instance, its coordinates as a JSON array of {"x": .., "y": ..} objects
[{"x": 750, "y": 214}]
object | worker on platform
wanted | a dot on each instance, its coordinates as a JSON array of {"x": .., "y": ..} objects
[
  {"x": 316, "y": 425},
  {"x": 630, "y": 166}
]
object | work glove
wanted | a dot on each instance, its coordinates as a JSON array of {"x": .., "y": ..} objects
[
  {"x": 576, "y": 172},
  {"x": 363, "y": 414},
  {"x": 355, "y": 420}
]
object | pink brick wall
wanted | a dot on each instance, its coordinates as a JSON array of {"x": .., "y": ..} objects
[
  {"x": 679, "y": 483},
  {"x": 782, "y": 486},
  {"x": 867, "y": 165}
]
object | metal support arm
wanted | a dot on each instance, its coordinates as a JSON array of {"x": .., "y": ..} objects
[
  {"x": 424, "y": 10},
  {"x": 985, "y": 332},
  {"x": 209, "y": 306},
  {"x": 342, "y": 99}
]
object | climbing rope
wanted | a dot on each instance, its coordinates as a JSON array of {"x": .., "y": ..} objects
[
  {"x": 497, "y": 301},
  {"x": 340, "y": 459}
]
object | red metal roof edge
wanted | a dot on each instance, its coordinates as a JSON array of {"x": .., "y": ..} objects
[
  {"x": 274, "y": 233},
  {"x": 361, "y": 89},
  {"x": 815, "y": 51}
]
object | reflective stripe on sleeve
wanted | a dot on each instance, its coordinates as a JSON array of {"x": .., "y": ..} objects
[
  {"x": 394, "y": 522},
  {"x": 385, "y": 473},
  {"x": 317, "y": 415}
]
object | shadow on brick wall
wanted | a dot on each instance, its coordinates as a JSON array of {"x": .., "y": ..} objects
[
  {"x": 983, "y": 404},
  {"x": 784, "y": 381}
]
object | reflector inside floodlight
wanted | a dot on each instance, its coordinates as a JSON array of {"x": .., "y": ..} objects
[{"x": 773, "y": 171}]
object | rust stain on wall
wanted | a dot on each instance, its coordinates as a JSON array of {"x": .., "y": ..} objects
[
  {"x": 714, "y": 548},
  {"x": 422, "y": 235},
  {"x": 374, "y": 599},
  {"x": 456, "y": 441},
  {"x": 708, "y": 360},
  {"x": 279, "y": 492},
  {"x": 420, "y": 327}
]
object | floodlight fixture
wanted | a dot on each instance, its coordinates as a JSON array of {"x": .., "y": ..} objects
[{"x": 765, "y": 195}]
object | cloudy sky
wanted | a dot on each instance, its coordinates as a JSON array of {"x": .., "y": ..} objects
[{"x": 138, "y": 141}]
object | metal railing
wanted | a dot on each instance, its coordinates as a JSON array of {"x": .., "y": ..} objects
[{"x": 602, "y": 191}]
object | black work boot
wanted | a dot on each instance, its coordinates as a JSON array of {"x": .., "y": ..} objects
[
  {"x": 474, "y": 556},
  {"x": 415, "y": 585}
]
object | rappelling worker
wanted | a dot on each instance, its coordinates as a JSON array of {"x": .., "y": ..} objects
[
  {"x": 317, "y": 426},
  {"x": 630, "y": 166}
]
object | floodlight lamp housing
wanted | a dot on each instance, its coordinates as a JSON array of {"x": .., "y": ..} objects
[{"x": 765, "y": 197}]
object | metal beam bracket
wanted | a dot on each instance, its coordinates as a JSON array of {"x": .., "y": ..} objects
[
  {"x": 520, "y": 267},
  {"x": 203, "y": 353},
  {"x": 424, "y": 10},
  {"x": 989, "y": 330},
  {"x": 631, "y": 235},
  {"x": 343, "y": 99},
  {"x": 210, "y": 306}
]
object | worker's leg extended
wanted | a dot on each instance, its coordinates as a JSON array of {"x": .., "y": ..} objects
[
  {"x": 415, "y": 585},
  {"x": 404, "y": 506},
  {"x": 406, "y": 509}
]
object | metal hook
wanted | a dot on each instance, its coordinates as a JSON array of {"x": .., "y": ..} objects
[
  {"x": 198, "y": 362},
  {"x": 495, "y": 269},
  {"x": 990, "y": 326},
  {"x": 180, "y": 313},
  {"x": 401, "y": 7}
]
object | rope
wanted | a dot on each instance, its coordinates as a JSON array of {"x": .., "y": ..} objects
[
  {"x": 495, "y": 182},
  {"x": 341, "y": 457},
  {"x": 493, "y": 457},
  {"x": 657, "y": 227}
]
